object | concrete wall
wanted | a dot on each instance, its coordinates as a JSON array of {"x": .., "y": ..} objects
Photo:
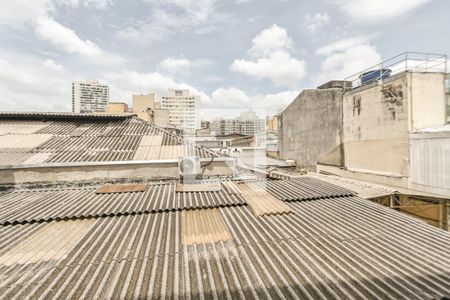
[
  {"x": 376, "y": 136},
  {"x": 428, "y": 102},
  {"x": 85, "y": 172},
  {"x": 140, "y": 105},
  {"x": 378, "y": 120},
  {"x": 117, "y": 108},
  {"x": 161, "y": 117},
  {"x": 311, "y": 126}
]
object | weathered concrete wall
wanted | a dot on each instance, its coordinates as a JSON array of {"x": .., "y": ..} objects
[
  {"x": 376, "y": 121},
  {"x": 379, "y": 117},
  {"x": 311, "y": 126},
  {"x": 428, "y": 103},
  {"x": 106, "y": 171}
]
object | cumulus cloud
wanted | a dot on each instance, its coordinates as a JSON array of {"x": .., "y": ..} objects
[
  {"x": 279, "y": 67},
  {"x": 230, "y": 97},
  {"x": 125, "y": 83},
  {"x": 175, "y": 65},
  {"x": 271, "y": 52},
  {"x": 168, "y": 17},
  {"x": 33, "y": 84},
  {"x": 52, "y": 65},
  {"x": 21, "y": 11},
  {"x": 269, "y": 40},
  {"x": 65, "y": 38},
  {"x": 315, "y": 22},
  {"x": 342, "y": 45},
  {"x": 380, "y": 10},
  {"x": 346, "y": 57}
]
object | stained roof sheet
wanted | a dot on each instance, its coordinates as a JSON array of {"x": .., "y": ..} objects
[
  {"x": 326, "y": 249},
  {"x": 88, "y": 138},
  {"x": 302, "y": 189},
  {"x": 45, "y": 205}
]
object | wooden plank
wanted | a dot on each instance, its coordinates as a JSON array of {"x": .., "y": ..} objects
[
  {"x": 261, "y": 202},
  {"x": 121, "y": 188},
  {"x": 199, "y": 187},
  {"x": 201, "y": 226}
]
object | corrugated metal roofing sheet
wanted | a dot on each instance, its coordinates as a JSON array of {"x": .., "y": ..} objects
[
  {"x": 43, "y": 205},
  {"x": 200, "y": 226},
  {"x": 96, "y": 139},
  {"x": 11, "y": 142},
  {"x": 261, "y": 202},
  {"x": 38, "y": 247},
  {"x": 301, "y": 189},
  {"x": 19, "y": 128},
  {"x": 327, "y": 249}
]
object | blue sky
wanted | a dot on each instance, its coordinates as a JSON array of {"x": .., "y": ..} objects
[{"x": 233, "y": 53}]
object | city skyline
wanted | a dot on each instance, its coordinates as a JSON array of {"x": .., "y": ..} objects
[{"x": 268, "y": 51}]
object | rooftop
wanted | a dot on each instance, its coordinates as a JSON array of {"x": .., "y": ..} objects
[
  {"x": 303, "y": 238},
  {"x": 36, "y": 138}
]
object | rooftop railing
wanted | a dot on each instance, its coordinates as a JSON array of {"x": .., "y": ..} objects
[{"x": 407, "y": 61}]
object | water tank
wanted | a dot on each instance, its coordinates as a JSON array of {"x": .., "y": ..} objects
[{"x": 374, "y": 75}]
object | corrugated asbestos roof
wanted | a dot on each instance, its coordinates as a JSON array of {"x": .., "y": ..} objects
[
  {"x": 334, "y": 247},
  {"x": 302, "y": 189},
  {"x": 87, "y": 138},
  {"x": 45, "y": 205}
]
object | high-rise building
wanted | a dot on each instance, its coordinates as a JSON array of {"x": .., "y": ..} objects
[
  {"x": 181, "y": 106},
  {"x": 89, "y": 96}
]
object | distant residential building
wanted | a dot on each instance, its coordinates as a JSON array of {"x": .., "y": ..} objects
[
  {"x": 117, "y": 108},
  {"x": 182, "y": 109},
  {"x": 247, "y": 123},
  {"x": 147, "y": 109},
  {"x": 272, "y": 123},
  {"x": 205, "y": 124},
  {"x": 89, "y": 96}
]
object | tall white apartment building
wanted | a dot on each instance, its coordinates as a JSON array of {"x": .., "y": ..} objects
[
  {"x": 89, "y": 96},
  {"x": 181, "y": 106}
]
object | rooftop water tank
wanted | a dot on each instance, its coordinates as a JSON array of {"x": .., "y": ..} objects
[{"x": 374, "y": 75}]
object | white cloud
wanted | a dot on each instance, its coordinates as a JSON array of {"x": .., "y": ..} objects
[
  {"x": 271, "y": 50},
  {"x": 169, "y": 17},
  {"x": 175, "y": 65},
  {"x": 50, "y": 64},
  {"x": 314, "y": 23},
  {"x": 342, "y": 45},
  {"x": 279, "y": 67},
  {"x": 376, "y": 11},
  {"x": 345, "y": 58},
  {"x": 64, "y": 38},
  {"x": 125, "y": 83},
  {"x": 269, "y": 40},
  {"x": 20, "y": 11},
  {"x": 230, "y": 97},
  {"x": 97, "y": 4},
  {"x": 33, "y": 85},
  {"x": 17, "y": 12}
]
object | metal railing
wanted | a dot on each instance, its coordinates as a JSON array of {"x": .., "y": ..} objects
[{"x": 407, "y": 61}]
